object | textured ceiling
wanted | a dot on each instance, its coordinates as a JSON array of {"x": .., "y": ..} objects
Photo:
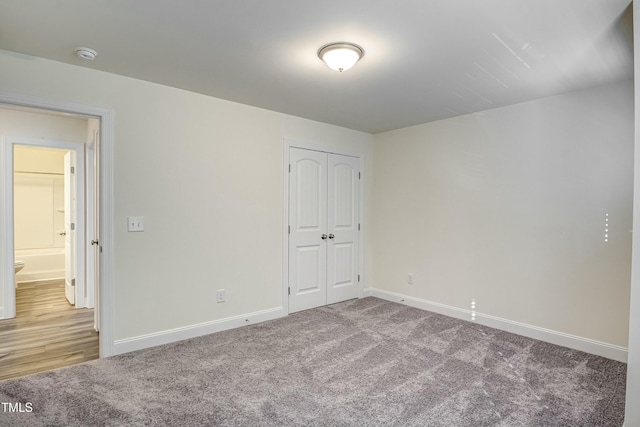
[{"x": 424, "y": 61}]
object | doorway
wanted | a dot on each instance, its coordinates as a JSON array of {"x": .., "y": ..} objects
[
  {"x": 324, "y": 242},
  {"x": 51, "y": 326},
  {"x": 49, "y": 216},
  {"x": 73, "y": 225},
  {"x": 99, "y": 162}
]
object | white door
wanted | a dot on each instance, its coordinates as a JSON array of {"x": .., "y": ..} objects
[
  {"x": 95, "y": 244},
  {"x": 69, "y": 226},
  {"x": 323, "y": 237},
  {"x": 342, "y": 248},
  {"x": 308, "y": 236}
]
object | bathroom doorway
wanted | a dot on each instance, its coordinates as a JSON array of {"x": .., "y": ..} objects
[
  {"x": 49, "y": 225},
  {"x": 46, "y": 208}
]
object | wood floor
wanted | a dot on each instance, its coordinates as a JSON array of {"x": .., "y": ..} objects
[{"x": 46, "y": 333}]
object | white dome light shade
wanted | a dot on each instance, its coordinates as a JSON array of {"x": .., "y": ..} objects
[{"x": 340, "y": 56}]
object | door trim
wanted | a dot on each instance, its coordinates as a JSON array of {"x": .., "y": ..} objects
[
  {"x": 290, "y": 143},
  {"x": 105, "y": 157}
]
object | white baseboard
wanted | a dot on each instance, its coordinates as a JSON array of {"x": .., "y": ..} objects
[
  {"x": 554, "y": 337},
  {"x": 598, "y": 348},
  {"x": 172, "y": 335},
  {"x": 40, "y": 278},
  {"x": 1, "y": 312}
]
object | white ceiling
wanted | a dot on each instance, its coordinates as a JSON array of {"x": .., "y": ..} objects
[{"x": 424, "y": 60}]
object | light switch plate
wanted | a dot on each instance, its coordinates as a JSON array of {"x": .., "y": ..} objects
[{"x": 135, "y": 223}]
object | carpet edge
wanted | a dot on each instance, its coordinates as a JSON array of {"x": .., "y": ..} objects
[{"x": 598, "y": 348}]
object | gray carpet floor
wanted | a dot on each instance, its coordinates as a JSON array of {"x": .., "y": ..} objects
[{"x": 365, "y": 362}]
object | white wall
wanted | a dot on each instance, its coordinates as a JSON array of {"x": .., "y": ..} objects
[
  {"x": 38, "y": 160},
  {"x": 38, "y": 198},
  {"x": 206, "y": 174},
  {"x": 508, "y": 207},
  {"x": 41, "y": 125},
  {"x": 632, "y": 410}
]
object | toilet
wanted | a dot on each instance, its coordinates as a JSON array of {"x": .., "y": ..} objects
[{"x": 18, "y": 265}]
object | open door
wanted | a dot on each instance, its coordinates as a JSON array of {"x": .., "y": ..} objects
[
  {"x": 69, "y": 227},
  {"x": 95, "y": 217}
]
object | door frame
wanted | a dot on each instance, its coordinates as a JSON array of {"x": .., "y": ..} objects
[
  {"x": 79, "y": 241},
  {"x": 106, "y": 214},
  {"x": 290, "y": 143}
]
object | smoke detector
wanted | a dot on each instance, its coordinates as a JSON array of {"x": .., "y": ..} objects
[{"x": 85, "y": 53}]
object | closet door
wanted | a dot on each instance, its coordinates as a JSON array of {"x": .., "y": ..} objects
[
  {"x": 308, "y": 229},
  {"x": 343, "y": 233},
  {"x": 323, "y": 235}
]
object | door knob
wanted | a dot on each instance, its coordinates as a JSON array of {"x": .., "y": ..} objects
[
  {"x": 94, "y": 242},
  {"x": 324, "y": 237},
  {"x": 331, "y": 236},
  {"x": 62, "y": 233}
]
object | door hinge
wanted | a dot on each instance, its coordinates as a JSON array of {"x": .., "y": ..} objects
[
  {"x": 289, "y": 290},
  {"x": 73, "y": 282},
  {"x": 289, "y": 167},
  {"x": 358, "y": 226},
  {"x": 358, "y": 277},
  {"x": 73, "y": 170},
  {"x": 289, "y": 229},
  {"x": 359, "y": 175},
  {"x": 73, "y": 226}
]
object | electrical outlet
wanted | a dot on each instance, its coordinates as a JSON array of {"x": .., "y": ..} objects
[
  {"x": 220, "y": 296},
  {"x": 410, "y": 278}
]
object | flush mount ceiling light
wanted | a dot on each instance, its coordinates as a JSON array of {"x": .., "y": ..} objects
[
  {"x": 85, "y": 53},
  {"x": 340, "y": 56}
]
